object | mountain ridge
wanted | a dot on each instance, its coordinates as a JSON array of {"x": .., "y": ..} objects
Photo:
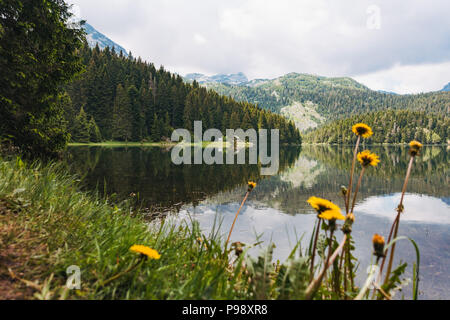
[
  {"x": 95, "y": 37},
  {"x": 446, "y": 88}
]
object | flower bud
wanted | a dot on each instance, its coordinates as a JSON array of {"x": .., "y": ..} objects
[{"x": 378, "y": 245}]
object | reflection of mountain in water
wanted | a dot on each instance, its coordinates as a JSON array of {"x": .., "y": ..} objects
[{"x": 322, "y": 170}]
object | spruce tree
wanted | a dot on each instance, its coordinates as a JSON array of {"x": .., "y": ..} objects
[
  {"x": 81, "y": 130},
  {"x": 122, "y": 117}
]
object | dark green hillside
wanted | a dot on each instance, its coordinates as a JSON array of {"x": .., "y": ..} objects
[{"x": 389, "y": 127}]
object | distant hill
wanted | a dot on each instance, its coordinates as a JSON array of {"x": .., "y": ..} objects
[
  {"x": 94, "y": 37},
  {"x": 387, "y": 92},
  {"x": 233, "y": 79},
  {"x": 311, "y": 100},
  {"x": 446, "y": 88}
]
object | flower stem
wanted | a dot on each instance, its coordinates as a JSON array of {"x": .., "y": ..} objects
[
  {"x": 355, "y": 154},
  {"x": 117, "y": 276},
  {"x": 235, "y": 218},
  {"x": 314, "y": 285},
  {"x": 396, "y": 223},
  {"x": 357, "y": 188},
  {"x": 314, "y": 248}
]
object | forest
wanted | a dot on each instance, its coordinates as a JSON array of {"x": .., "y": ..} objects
[
  {"x": 390, "y": 126},
  {"x": 126, "y": 99}
]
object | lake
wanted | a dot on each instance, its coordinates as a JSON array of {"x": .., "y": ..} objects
[{"x": 277, "y": 210}]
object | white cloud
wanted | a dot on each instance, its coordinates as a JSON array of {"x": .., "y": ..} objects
[
  {"x": 268, "y": 38},
  {"x": 408, "y": 79},
  {"x": 199, "y": 39}
]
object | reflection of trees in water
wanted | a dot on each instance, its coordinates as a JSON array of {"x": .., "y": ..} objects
[
  {"x": 319, "y": 171},
  {"x": 150, "y": 173},
  {"x": 430, "y": 176}
]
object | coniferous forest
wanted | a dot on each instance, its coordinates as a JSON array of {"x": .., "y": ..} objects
[
  {"x": 126, "y": 99},
  {"x": 389, "y": 126}
]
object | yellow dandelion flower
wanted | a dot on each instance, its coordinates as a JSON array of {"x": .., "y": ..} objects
[
  {"x": 321, "y": 205},
  {"x": 332, "y": 215},
  {"x": 146, "y": 251},
  {"x": 415, "y": 147},
  {"x": 251, "y": 185},
  {"x": 363, "y": 130},
  {"x": 367, "y": 158}
]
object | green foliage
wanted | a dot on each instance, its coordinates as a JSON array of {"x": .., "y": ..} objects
[
  {"x": 37, "y": 55},
  {"x": 122, "y": 124},
  {"x": 293, "y": 279},
  {"x": 261, "y": 275},
  {"x": 396, "y": 282},
  {"x": 389, "y": 126},
  {"x": 81, "y": 128},
  {"x": 131, "y": 100}
]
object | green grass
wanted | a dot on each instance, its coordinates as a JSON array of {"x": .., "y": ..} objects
[{"x": 80, "y": 229}]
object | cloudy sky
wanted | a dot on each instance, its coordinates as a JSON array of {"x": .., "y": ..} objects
[{"x": 401, "y": 46}]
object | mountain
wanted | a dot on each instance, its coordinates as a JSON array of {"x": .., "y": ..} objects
[
  {"x": 446, "y": 88},
  {"x": 311, "y": 100},
  {"x": 232, "y": 79},
  {"x": 387, "y": 92},
  {"x": 94, "y": 37}
]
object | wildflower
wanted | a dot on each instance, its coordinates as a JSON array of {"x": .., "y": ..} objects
[
  {"x": 415, "y": 147},
  {"x": 321, "y": 205},
  {"x": 362, "y": 130},
  {"x": 378, "y": 245},
  {"x": 238, "y": 248},
  {"x": 146, "y": 251},
  {"x": 349, "y": 220},
  {"x": 251, "y": 186},
  {"x": 366, "y": 158},
  {"x": 344, "y": 190},
  {"x": 350, "y": 217},
  {"x": 332, "y": 215}
]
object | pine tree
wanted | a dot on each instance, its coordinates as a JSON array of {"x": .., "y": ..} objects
[
  {"x": 81, "y": 130},
  {"x": 156, "y": 129},
  {"x": 94, "y": 131},
  {"x": 122, "y": 117}
]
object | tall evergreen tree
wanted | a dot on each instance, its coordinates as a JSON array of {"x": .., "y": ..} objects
[
  {"x": 38, "y": 54},
  {"x": 122, "y": 117}
]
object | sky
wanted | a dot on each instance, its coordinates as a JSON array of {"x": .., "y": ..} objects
[{"x": 401, "y": 46}]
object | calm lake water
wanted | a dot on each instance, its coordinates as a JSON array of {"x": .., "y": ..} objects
[{"x": 277, "y": 210}]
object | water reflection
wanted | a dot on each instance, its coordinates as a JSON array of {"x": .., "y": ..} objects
[{"x": 277, "y": 209}]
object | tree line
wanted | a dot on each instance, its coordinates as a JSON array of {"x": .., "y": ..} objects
[
  {"x": 389, "y": 126},
  {"x": 126, "y": 99}
]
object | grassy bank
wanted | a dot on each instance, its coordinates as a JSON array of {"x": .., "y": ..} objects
[{"x": 47, "y": 225}]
